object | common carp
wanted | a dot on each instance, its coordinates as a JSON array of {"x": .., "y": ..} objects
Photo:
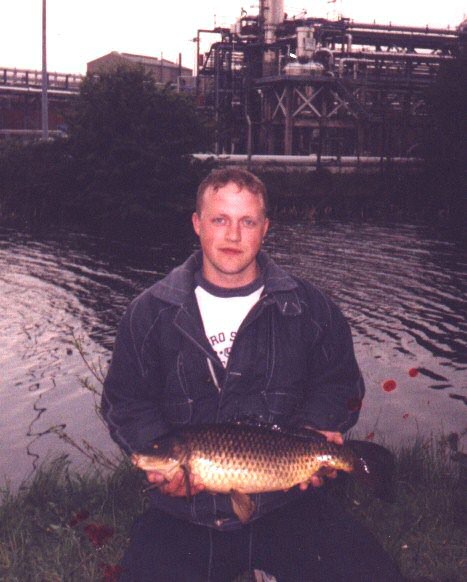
[{"x": 242, "y": 459}]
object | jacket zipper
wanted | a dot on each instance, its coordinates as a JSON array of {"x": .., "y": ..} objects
[
  {"x": 213, "y": 374},
  {"x": 221, "y": 388}
]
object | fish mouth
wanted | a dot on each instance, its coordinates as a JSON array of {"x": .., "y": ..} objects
[
  {"x": 151, "y": 463},
  {"x": 143, "y": 462},
  {"x": 146, "y": 462}
]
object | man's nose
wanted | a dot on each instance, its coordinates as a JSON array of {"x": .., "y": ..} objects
[{"x": 233, "y": 232}]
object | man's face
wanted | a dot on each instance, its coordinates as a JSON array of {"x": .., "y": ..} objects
[{"x": 231, "y": 227}]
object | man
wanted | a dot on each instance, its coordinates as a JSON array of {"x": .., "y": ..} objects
[{"x": 226, "y": 335}]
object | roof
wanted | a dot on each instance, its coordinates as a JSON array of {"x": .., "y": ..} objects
[{"x": 142, "y": 60}]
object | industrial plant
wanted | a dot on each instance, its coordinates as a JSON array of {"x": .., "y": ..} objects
[{"x": 280, "y": 85}]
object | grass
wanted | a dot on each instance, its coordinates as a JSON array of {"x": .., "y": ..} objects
[
  {"x": 65, "y": 526},
  {"x": 424, "y": 530}
]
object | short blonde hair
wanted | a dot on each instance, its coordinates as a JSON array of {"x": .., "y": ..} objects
[{"x": 242, "y": 178}]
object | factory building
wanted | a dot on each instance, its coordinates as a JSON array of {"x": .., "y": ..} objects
[{"x": 163, "y": 71}]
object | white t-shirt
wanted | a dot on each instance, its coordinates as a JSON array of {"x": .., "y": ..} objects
[{"x": 223, "y": 310}]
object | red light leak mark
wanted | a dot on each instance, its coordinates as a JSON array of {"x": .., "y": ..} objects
[
  {"x": 98, "y": 535},
  {"x": 82, "y": 515},
  {"x": 389, "y": 385},
  {"x": 354, "y": 404},
  {"x": 370, "y": 436},
  {"x": 112, "y": 572},
  {"x": 413, "y": 372}
]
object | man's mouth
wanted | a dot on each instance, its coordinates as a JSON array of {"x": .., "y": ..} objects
[{"x": 231, "y": 251}]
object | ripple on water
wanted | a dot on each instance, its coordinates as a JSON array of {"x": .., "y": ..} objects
[
  {"x": 402, "y": 288},
  {"x": 404, "y": 293}
]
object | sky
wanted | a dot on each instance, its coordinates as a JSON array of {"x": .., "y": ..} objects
[{"x": 79, "y": 31}]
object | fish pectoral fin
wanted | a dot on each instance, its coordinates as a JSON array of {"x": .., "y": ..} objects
[
  {"x": 242, "y": 505},
  {"x": 186, "y": 478}
]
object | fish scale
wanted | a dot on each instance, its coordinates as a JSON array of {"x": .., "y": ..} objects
[
  {"x": 241, "y": 459},
  {"x": 252, "y": 459}
]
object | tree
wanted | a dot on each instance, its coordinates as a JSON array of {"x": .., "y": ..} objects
[
  {"x": 445, "y": 149},
  {"x": 131, "y": 141}
]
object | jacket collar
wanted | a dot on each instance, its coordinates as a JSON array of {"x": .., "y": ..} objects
[{"x": 177, "y": 287}]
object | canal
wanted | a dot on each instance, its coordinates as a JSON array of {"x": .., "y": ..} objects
[{"x": 402, "y": 287}]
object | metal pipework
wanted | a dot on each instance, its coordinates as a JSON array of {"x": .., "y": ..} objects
[
  {"x": 45, "y": 103},
  {"x": 306, "y": 43},
  {"x": 273, "y": 12}
]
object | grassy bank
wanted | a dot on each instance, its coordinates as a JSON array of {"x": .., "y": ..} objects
[
  {"x": 396, "y": 194},
  {"x": 425, "y": 529},
  {"x": 63, "y": 526}
]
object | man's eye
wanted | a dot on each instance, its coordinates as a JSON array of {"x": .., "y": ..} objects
[
  {"x": 249, "y": 222},
  {"x": 218, "y": 220}
]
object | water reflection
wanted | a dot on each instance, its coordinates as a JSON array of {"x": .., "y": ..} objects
[{"x": 401, "y": 286}]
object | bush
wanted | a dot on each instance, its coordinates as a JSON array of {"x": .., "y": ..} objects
[{"x": 125, "y": 161}]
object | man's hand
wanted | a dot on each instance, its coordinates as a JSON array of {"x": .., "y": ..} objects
[
  {"x": 177, "y": 486},
  {"x": 317, "y": 480}
]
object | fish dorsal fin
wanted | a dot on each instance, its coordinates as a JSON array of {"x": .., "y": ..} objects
[
  {"x": 306, "y": 432},
  {"x": 303, "y": 432},
  {"x": 242, "y": 505}
]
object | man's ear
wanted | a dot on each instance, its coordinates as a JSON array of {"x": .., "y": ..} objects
[{"x": 195, "y": 222}]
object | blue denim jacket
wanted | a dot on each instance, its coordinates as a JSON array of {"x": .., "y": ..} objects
[{"x": 292, "y": 362}]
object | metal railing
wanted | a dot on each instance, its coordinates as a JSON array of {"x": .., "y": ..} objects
[{"x": 25, "y": 78}]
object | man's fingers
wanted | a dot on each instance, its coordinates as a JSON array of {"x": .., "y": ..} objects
[
  {"x": 155, "y": 477},
  {"x": 196, "y": 484},
  {"x": 316, "y": 481},
  {"x": 177, "y": 486},
  {"x": 333, "y": 437}
]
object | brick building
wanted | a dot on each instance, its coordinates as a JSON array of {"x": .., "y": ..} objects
[{"x": 163, "y": 70}]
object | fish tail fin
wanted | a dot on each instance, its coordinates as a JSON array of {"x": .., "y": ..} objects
[{"x": 373, "y": 467}]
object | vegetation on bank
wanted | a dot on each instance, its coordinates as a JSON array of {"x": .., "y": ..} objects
[
  {"x": 397, "y": 194},
  {"x": 66, "y": 526},
  {"x": 125, "y": 160},
  {"x": 126, "y": 164}
]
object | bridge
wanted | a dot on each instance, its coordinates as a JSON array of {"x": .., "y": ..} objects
[
  {"x": 20, "y": 101},
  {"x": 30, "y": 81}
]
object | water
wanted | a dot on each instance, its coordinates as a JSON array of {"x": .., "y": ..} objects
[{"x": 402, "y": 288}]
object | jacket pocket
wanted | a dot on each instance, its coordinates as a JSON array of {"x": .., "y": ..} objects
[{"x": 178, "y": 412}]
